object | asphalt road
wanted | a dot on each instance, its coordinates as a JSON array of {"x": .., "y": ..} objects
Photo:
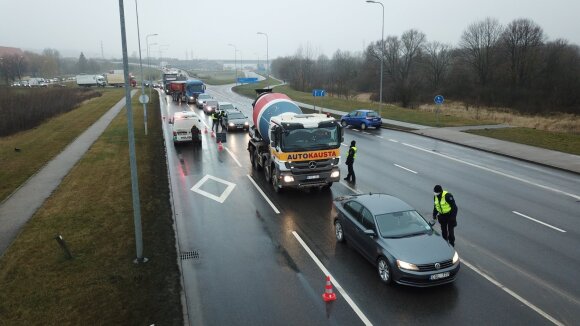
[{"x": 518, "y": 236}]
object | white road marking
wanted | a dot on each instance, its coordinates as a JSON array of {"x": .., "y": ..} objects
[
  {"x": 233, "y": 156},
  {"x": 351, "y": 189},
  {"x": 343, "y": 144},
  {"x": 533, "y": 219},
  {"x": 496, "y": 172},
  {"x": 393, "y": 140},
  {"x": 263, "y": 195},
  {"x": 356, "y": 130},
  {"x": 404, "y": 168},
  {"x": 337, "y": 285},
  {"x": 513, "y": 294},
  {"x": 230, "y": 187},
  {"x": 381, "y": 137},
  {"x": 366, "y": 133}
]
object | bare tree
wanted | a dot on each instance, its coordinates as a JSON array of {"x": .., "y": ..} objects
[
  {"x": 479, "y": 43},
  {"x": 438, "y": 60},
  {"x": 521, "y": 41}
]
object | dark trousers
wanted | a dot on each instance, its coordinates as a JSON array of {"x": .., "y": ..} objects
[
  {"x": 350, "y": 176},
  {"x": 214, "y": 124},
  {"x": 448, "y": 223}
]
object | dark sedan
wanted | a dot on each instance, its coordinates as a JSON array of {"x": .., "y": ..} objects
[{"x": 396, "y": 239}]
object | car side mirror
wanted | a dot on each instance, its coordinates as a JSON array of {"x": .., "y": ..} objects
[{"x": 370, "y": 233}]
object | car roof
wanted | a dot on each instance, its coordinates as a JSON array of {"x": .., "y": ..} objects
[
  {"x": 364, "y": 110},
  {"x": 383, "y": 203}
]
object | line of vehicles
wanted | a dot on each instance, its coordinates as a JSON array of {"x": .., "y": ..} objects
[
  {"x": 115, "y": 78},
  {"x": 297, "y": 150}
]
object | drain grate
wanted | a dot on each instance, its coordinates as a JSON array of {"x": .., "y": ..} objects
[{"x": 190, "y": 255}]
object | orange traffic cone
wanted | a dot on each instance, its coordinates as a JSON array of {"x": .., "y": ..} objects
[
  {"x": 328, "y": 295},
  {"x": 220, "y": 146}
]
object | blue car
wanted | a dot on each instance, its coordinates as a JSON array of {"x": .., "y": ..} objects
[{"x": 361, "y": 119}]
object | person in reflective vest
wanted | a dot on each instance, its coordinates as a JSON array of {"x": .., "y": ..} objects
[
  {"x": 445, "y": 211},
  {"x": 350, "y": 161},
  {"x": 214, "y": 120}
]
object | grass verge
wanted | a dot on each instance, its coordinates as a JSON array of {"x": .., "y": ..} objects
[
  {"x": 216, "y": 77},
  {"x": 92, "y": 209},
  {"x": 41, "y": 144},
  {"x": 563, "y": 142}
]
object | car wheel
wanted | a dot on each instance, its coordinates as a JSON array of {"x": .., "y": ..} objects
[
  {"x": 384, "y": 270},
  {"x": 339, "y": 231},
  {"x": 343, "y": 123},
  {"x": 363, "y": 126}
]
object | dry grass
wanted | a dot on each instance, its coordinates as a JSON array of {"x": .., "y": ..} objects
[
  {"x": 92, "y": 209},
  {"x": 41, "y": 144},
  {"x": 567, "y": 123}
]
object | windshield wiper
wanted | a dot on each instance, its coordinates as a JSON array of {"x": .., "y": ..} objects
[{"x": 408, "y": 235}]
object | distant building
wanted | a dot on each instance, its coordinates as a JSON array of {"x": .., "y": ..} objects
[{"x": 6, "y": 51}]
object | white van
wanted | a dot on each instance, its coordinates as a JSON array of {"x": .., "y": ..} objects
[{"x": 183, "y": 130}]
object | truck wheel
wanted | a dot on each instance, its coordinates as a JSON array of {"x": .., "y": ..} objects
[
  {"x": 267, "y": 174},
  {"x": 276, "y": 183},
  {"x": 256, "y": 163},
  {"x": 253, "y": 159}
]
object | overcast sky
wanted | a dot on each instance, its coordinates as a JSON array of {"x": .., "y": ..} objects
[{"x": 203, "y": 29}]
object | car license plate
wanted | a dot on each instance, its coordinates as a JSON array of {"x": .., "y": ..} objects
[
  {"x": 310, "y": 177},
  {"x": 439, "y": 276}
]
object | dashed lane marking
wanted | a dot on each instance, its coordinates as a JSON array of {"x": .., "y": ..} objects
[
  {"x": 233, "y": 156},
  {"x": 337, "y": 285},
  {"x": 537, "y": 221},
  {"x": 495, "y": 171},
  {"x": 404, "y": 168},
  {"x": 264, "y": 195},
  {"x": 513, "y": 294}
]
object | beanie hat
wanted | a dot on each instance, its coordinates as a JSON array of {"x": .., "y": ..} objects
[
  {"x": 437, "y": 189},
  {"x": 352, "y": 143}
]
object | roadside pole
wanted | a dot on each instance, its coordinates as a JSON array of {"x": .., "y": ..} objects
[
  {"x": 132, "y": 157},
  {"x": 316, "y": 93},
  {"x": 438, "y": 102}
]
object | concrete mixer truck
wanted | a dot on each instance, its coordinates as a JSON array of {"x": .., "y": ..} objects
[{"x": 295, "y": 150}]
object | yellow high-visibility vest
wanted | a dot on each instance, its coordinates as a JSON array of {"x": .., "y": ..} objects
[{"x": 442, "y": 207}]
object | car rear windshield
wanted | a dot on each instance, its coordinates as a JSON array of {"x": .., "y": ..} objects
[
  {"x": 401, "y": 224},
  {"x": 372, "y": 114}
]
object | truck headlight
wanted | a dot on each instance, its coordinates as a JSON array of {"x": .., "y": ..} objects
[
  {"x": 335, "y": 174},
  {"x": 288, "y": 178},
  {"x": 408, "y": 266}
]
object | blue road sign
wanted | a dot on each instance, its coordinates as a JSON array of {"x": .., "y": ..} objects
[
  {"x": 318, "y": 92},
  {"x": 439, "y": 99},
  {"x": 247, "y": 80}
]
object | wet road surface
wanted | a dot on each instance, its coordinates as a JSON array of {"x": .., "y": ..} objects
[{"x": 243, "y": 262}]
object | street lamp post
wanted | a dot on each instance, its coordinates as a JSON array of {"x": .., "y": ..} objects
[
  {"x": 235, "y": 60},
  {"x": 143, "y": 98},
  {"x": 19, "y": 73},
  {"x": 267, "y": 56},
  {"x": 382, "y": 55},
  {"x": 149, "y": 59}
]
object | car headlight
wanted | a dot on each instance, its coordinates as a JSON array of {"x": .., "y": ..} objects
[
  {"x": 231, "y": 124},
  {"x": 335, "y": 174},
  {"x": 455, "y": 258},
  {"x": 246, "y": 123},
  {"x": 288, "y": 178},
  {"x": 408, "y": 266}
]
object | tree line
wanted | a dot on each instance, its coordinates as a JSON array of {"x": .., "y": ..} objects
[{"x": 513, "y": 66}]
